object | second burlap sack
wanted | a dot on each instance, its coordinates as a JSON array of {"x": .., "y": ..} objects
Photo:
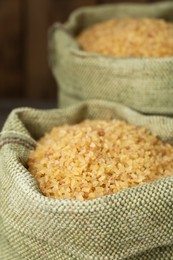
[{"x": 144, "y": 84}]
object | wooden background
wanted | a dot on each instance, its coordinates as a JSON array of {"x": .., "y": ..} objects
[{"x": 24, "y": 71}]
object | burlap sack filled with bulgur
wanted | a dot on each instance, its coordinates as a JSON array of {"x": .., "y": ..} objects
[
  {"x": 124, "y": 60},
  {"x": 134, "y": 223}
]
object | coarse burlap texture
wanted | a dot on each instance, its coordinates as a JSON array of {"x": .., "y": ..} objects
[
  {"x": 136, "y": 223},
  {"x": 144, "y": 84}
]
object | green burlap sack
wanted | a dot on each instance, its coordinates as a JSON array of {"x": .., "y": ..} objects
[
  {"x": 144, "y": 84},
  {"x": 136, "y": 223}
]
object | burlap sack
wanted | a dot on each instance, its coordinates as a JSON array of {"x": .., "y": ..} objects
[
  {"x": 142, "y": 84},
  {"x": 136, "y": 223}
]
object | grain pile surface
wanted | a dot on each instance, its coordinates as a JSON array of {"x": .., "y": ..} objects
[
  {"x": 96, "y": 158},
  {"x": 129, "y": 37}
]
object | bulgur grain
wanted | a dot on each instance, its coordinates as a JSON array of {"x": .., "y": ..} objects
[
  {"x": 129, "y": 37},
  {"x": 96, "y": 158}
]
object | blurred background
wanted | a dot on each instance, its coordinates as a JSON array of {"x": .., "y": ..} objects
[{"x": 25, "y": 77}]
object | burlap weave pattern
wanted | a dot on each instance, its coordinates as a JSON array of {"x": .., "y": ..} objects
[
  {"x": 142, "y": 84},
  {"x": 136, "y": 223}
]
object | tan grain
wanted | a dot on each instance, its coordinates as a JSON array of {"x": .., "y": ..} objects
[
  {"x": 96, "y": 158},
  {"x": 129, "y": 37}
]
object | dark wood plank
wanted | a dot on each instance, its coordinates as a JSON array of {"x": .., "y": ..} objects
[
  {"x": 10, "y": 48},
  {"x": 38, "y": 80},
  {"x": 60, "y": 9}
]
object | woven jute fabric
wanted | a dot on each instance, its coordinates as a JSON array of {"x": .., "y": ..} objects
[
  {"x": 144, "y": 84},
  {"x": 136, "y": 223}
]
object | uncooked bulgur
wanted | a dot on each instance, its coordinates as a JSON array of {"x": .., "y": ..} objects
[
  {"x": 129, "y": 37},
  {"x": 96, "y": 158}
]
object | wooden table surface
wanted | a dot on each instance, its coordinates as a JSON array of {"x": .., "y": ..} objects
[{"x": 7, "y": 105}]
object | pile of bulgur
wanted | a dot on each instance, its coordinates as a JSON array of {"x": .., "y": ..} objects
[
  {"x": 96, "y": 158},
  {"x": 129, "y": 37}
]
